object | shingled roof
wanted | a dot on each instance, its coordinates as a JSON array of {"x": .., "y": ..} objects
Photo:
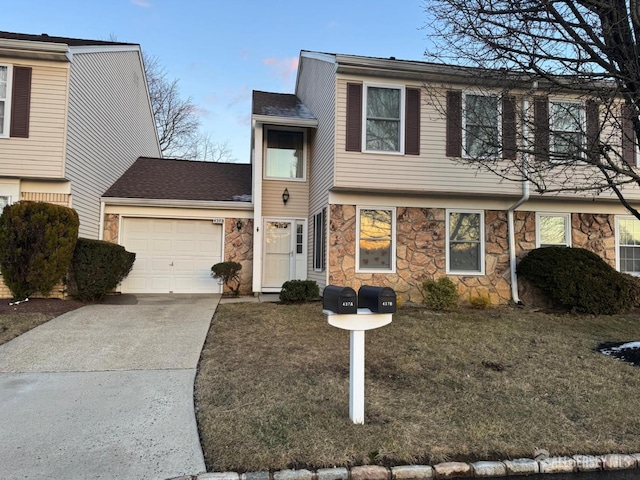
[
  {"x": 72, "y": 42},
  {"x": 167, "y": 179},
  {"x": 284, "y": 105}
]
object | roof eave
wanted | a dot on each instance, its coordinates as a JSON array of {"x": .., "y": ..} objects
[
  {"x": 34, "y": 50},
  {"x": 199, "y": 204},
  {"x": 286, "y": 121}
]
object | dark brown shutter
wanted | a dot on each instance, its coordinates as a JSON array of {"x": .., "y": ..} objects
[
  {"x": 628, "y": 137},
  {"x": 412, "y": 122},
  {"x": 592, "y": 110},
  {"x": 541, "y": 128},
  {"x": 454, "y": 124},
  {"x": 509, "y": 128},
  {"x": 354, "y": 117},
  {"x": 20, "y": 102}
]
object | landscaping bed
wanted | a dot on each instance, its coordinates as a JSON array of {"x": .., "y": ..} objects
[{"x": 272, "y": 391}]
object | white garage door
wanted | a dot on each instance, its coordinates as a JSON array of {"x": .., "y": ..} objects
[{"x": 172, "y": 255}]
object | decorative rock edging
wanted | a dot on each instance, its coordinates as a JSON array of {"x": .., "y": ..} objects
[{"x": 519, "y": 466}]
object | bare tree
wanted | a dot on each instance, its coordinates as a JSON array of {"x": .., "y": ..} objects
[
  {"x": 202, "y": 147},
  {"x": 530, "y": 52}
]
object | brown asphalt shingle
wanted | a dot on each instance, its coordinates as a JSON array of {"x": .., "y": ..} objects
[{"x": 166, "y": 179}]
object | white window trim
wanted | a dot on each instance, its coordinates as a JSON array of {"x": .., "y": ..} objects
[
  {"x": 322, "y": 245},
  {"x": 617, "y": 241},
  {"x": 394, "y": 242},
  {"x": 401, "y": 130},
  {"x": 482, "y": 243},
  {"x": 267, "y": 129},
  {"x": 583, "y": 124},
  {"x": 464, "y": 119},
  {"x": 7, "y": 102},
  {"x": 567, "y": 227}
]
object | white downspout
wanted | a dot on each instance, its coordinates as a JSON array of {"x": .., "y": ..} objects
[
  {"x": 101, "y": 226},
  {"x": 525, "y": 196}
]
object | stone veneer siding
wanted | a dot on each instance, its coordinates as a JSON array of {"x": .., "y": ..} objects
[
  {"x": 238, "y": 245},
  {"x": 421, "y": 245}
]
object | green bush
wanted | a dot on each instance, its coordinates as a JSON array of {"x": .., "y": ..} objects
[
  {"x": 98, "y": 267},
  {"x": 36, "y": 245},
  {"x": 480, "y": 302},
  {"x": 299, "y": 291},
  {"x": 578, "y": 280},
  {"x": 228, "y": 272},
  {"x": 440, "y": 294}
]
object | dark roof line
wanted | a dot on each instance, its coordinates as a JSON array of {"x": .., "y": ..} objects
[{"x": 72, "y": 42}]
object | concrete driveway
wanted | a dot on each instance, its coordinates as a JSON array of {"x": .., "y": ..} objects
[{"x": 105, "y": 392}]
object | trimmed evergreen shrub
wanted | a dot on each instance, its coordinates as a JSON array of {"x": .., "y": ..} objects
[
  {"x": 98, "y": 267},
  {"x": 578, "y": 280},
  {"x": 228, "y": 272},
  {"x": 440, "y": 294},
  {"x": 36, "y": 245},
  {"x": 299, "y": 291}
]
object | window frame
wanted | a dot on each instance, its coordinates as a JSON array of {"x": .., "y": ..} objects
[
  {"x": 401, "y": 123},
  {"x": 277, "y": 128},
  {"x": 475, "y": 93},
  {"x": 482, "y": 242},
  {"x": 394, "y": 246},
  {"x": 319, "y": 241},
  {"x": 618, "y": 244},
  {"x": 582, "y": 128},
  {"x": 567, "y": 226},
  {"x": 6, "y": 126}
]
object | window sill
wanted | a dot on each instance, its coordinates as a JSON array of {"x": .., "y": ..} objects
[
  {"x": 285, "y": 179},
  {"x": 462, "y": 273},
  {"x": 365, "y": 271}
]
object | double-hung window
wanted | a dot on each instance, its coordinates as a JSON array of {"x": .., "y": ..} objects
[
  {"x": 376, "y": 244},
  {"x": 566, "y": 129},
  {"x": 465, "y": 242},
  {"x": 319, "y": 240},
  {"x": 4, "y": 201},
  {"x": 285, "y": 155},
  {"x": 482, "y": 126},
  {"x": 553, "y": 229},
  {"x": 5, "y": 95},
  {"x": 383, "y": 108},
  {"x": 628, "y": 243}
]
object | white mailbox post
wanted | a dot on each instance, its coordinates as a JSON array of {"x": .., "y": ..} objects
[{"x": 357, "y": 324}]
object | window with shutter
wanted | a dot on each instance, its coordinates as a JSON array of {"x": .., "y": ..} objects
[
  {"x": 5, "y": 96},
  {"x": 15, "y": 101}
]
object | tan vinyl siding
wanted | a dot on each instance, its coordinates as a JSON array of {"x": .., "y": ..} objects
[
  {"x": 110, "y": 125},
  {"x": 272, "y": 204},
  {"x": 41, "y": 155},
  {"x": 430, "y": 171},
  {"x": 316, "y": 89},
  {"x": 56, "y": 198}
]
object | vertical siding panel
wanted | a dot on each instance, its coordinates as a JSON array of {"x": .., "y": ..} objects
[{"x": 110, "y": 125}]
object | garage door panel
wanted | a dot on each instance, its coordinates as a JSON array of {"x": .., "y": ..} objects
[{"x": 172, "y": 255}]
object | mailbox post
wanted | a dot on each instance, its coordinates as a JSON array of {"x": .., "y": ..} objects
[{"x": 374, "y": 308}]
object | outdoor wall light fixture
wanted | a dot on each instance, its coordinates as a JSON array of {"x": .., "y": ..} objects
[
  {"x": 285, "y": 196},
  {"x": 239, "y": 225}
]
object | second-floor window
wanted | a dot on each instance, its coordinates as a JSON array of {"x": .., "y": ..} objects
[
  {"x": 4, "y": 101},
  {"x": 482, "y": 126},
  {"x": 566, "y": 129},
  {"x": 285, "y": 154},
  {"x": 383, "y": 119}
]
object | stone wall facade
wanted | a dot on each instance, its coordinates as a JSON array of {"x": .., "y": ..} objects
[
  {"x": 238, "y": 247},
  {"x": 421, "y": 250}
]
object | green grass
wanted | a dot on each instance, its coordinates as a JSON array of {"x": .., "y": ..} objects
[{"x": 272, "y": 390}]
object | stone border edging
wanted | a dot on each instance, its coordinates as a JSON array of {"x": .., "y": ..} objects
[{"x": 483, "y": 469}]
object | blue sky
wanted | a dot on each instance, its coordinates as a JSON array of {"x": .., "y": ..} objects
[{"x": 221, "y": 51}]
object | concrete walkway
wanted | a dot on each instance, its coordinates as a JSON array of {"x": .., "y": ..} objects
[{"x": 105, "y": 392}]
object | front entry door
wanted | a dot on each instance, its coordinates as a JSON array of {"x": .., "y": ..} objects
[{"x": 278, "y": 253}]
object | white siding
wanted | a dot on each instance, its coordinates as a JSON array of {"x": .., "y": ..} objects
[
  {"x": 110, "y": 125},
  {"x": 316, "y": 89}
]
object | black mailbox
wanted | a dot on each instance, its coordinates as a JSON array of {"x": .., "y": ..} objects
[
  {"x": 377, "y": 299},
  {"x": 339, "y": 299}
]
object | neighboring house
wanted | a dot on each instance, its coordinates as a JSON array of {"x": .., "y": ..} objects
[
  {"x": 74, "y": 115},
  {"x": 358, "y": 181},
  {"x": 181, "y": 217}
]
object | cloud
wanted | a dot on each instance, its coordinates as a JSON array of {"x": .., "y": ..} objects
[
  {"x": 284, "y": 68},
  {"x": 141, "y": 3}
]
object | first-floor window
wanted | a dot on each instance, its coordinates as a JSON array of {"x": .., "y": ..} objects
[
  {"x": 628, "y": 236},
  {"x": 553, "y": 229},
  {"x": 4, "y": 201},
  {"x": 319, "y": 240},
  {"x": 465, "y": 242},
  {"x": 376, "y": 244}
]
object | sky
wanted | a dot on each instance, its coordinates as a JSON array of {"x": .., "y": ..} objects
[{"x": 221, "y": 51}]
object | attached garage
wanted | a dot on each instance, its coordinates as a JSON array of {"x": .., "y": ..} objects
[{"x": 172, "y": 255}]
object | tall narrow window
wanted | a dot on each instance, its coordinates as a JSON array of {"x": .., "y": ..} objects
[
  {"x": 553, "y": 230},
  {"x": 567, "y": 136},
  {"x": 285, "y": 154},
  {"x": 4, "y": 103},
  {"x": 383, "y": 119},
  {"x": 376, "y": 246},
  {"x": 319, "y": 240},
  {"x": 482, "y": 130},
  {"x": 465, "y": 242},
  {"x": 628, "y": 233}
]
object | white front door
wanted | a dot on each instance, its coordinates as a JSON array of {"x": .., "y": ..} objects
[{"x": 278, "y": 253}]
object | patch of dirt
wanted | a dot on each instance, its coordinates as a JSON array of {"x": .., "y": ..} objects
[{"x": 51, "y": 307}]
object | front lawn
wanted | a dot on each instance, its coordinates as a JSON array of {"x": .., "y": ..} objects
[{"x": 272, "y": 391}]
